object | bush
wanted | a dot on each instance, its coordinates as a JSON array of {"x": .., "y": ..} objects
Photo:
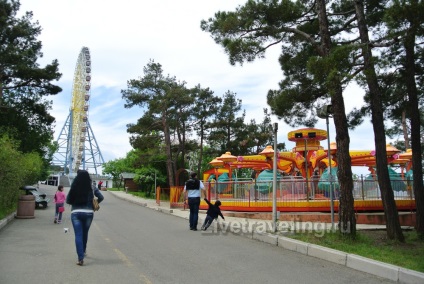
[{"x": 16, "y": 170}]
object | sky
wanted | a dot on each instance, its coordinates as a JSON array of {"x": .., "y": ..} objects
[{"x": 124, "y": 35}]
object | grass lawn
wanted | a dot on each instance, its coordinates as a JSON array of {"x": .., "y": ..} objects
[{"x": 374, "y": 244}]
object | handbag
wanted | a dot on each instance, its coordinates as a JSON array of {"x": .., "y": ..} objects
[
  {"x": 96, "y": 205},
  {"x": 61, "y": 209}
]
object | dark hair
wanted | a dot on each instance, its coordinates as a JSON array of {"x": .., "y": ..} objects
[
  {"x": 218, "y": 203},
  {"x": 60, "y": 187},
  {"x": 80, "y": 188},
  {"x": 193, "y": 175}
]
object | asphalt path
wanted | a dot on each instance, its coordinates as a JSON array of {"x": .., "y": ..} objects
[{"x": 129, "y": 243}]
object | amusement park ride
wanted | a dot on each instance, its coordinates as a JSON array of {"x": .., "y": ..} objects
[
  {"x": 304, "y": 181},
  {"x": 78, "y": 148},
  {"x": 307, "y": 157}
]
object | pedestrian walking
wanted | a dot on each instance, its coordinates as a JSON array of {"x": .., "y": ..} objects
[
  {"x": 81, "y": 197},
  {"x": 213, "y": 212},
  {"x": 59, "y": 200},
  {"x": 192, "y": 192}
]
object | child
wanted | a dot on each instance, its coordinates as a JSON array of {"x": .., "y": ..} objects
[
  {"x": 212, "y": 213},
  {"x": 59, "y": 199}
]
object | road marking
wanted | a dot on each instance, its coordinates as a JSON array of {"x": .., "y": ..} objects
[
  {"x": 145, "y": 279},
  {"x": 121, "y": 255}
]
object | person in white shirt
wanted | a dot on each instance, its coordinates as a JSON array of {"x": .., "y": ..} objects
[{"x": 192, "y": 191}]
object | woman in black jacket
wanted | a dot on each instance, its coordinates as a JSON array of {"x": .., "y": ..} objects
[{"x": 81, "y": 196}]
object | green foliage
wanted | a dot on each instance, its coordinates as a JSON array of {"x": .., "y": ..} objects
[
  {"x": 142, "y": 163},
  {"x": 16, "y": 170},
  {"x": 166, "y": 101},
  {"x": 404, "y": 24},
  {"x": 193, "y": 118},
  {"x": 115, "y": 168},
  {"x": 246, "y": 33},
  {"x": 314, "y": 61},
  {"x": 208, "y": 154},
  {"x": 227, "y": 126},
  {"x": 205, "y": 107},
  {"x": 24, "y": 111},
  {"x": 25, "y": 122},
  {"x": 32, "y": 166},
  {"x": 259, "y": 135},
  {"x": 19, "y": 53},
  {"x": 147, "y": 177}
]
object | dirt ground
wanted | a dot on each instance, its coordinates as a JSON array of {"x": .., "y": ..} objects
[{"x": 380, "y": 239}]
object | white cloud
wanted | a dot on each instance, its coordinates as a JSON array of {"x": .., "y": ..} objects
[{"x": 124, "y": 35}]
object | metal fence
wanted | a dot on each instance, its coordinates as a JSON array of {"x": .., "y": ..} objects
[
  {"x": 295, "y": 194},
  {"x": 295, "y": 188}
]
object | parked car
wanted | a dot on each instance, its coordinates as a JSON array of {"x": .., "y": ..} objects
[{"x": 41, "y": 199}]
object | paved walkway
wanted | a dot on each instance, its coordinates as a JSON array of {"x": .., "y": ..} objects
[
  {"x": 261, "y": 230},
  {"x": 230, "y": 217}
]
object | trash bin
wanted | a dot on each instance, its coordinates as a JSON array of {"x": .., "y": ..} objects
[{"x": 26, "y": 207}]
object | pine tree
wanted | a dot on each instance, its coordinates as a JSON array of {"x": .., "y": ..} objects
[{"x": 24, "y": 111}]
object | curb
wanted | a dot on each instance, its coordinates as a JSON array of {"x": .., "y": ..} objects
[
  {"x": 359, "y": 263},
  {"x": 7, "y": 220},
  {"x": 144, "y": 204},
  {"x": 377, "y": 268}
]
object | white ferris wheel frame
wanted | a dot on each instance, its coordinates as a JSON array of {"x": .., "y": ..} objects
[{"x": 80, "y": 103}]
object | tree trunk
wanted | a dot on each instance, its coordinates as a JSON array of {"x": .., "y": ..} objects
[
  {"x": 199, "y": 163},
  {"x": 394, "y": 231},
  {"x": 411, "y": 88},
  {"x": 347, "y": 221},
  {"x": 167, "y": 137}
]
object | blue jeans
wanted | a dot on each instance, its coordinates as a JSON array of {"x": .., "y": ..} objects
[
  {"x": 193, "y": 204},
  {"x": 81, "y": 221},
  {"x": 208, "y": 222}
]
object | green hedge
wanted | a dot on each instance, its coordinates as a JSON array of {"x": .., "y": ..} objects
[{"x": 16, "y": 170}]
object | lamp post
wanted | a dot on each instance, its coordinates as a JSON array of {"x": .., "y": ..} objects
[
  {"x": 274, "y": 180},
  {"x": 269, "y": 152},
  {"x": 306, "y": 171},
  {"x": 325, "y": 112}
]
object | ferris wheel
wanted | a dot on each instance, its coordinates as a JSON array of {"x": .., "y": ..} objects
[
  {"x": 78, "y": 147},
  {"x": 80, "y": 106}
]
